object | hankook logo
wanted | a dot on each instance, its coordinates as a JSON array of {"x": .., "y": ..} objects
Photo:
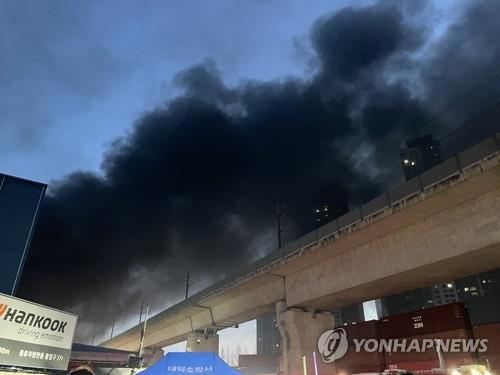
[
  {"x": 31, "y": 319},
  {"x": 332, "y": 344}
]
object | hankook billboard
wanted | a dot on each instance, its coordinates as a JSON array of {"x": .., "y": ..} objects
[{"x": 33, "y": 335}]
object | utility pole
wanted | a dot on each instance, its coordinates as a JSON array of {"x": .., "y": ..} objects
[
  {"x": 142, "y": 306},
  {"x": 143, "y": 333},
  {"x": 112, "y": 328},
  {"x": 187, "y": 284},
  {"x": 279, "y": 214}
]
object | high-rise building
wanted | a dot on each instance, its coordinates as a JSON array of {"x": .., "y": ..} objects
[
  {"x": 444, "y": 293},
  {"x": 19, "y": 205},
  {"x": 329, "y": 203},
  {"x": 439, "y": 294},
  {"x": 481, "y": 293},
  {"x": 268, "y": 335},
  {"x": 407, "y": 301},
  {"x": 322, "y": 214},
  {"x": 422, "y": 153}
]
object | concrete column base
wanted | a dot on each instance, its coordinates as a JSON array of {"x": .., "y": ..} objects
[
  {"x": 202, "y": 342},
  {"x": 300, "y": 331}
]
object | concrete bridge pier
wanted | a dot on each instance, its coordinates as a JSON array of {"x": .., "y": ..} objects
[
  {"x": 203, "y": 341},
  {"x": 300, "y": 330},
  {"x": 152, "y": 355}
]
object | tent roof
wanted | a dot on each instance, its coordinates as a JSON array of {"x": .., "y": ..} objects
[{"x": 195, "y": 363}]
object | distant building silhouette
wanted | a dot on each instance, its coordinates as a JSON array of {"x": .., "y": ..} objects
[
  {"x": 322, "y": 214},
  {"x": 422, "y": 153},
  {"x": 268, "y": 335},
  {"x": 330, "y": 203},
  {"x": 481, "y": 293}
]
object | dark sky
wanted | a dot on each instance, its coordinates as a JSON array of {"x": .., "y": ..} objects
[
  {"x": 212, "y": 115},
  {"x": 87, "y": 70}
]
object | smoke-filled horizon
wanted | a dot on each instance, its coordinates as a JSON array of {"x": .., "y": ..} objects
[{"x": 193, "y": 186}]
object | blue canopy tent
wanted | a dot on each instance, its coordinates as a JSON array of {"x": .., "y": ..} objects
[{"x": 200, "y": 363}]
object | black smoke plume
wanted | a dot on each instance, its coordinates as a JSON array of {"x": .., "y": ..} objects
[{"x": 195, "y": 184}]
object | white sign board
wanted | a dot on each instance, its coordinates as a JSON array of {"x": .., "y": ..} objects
[{"x": 33, "y": 335}]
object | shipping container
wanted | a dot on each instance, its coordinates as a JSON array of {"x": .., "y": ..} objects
[
  {"x": 425, "y": 321},
  {"x": 358, "y": 331},
  {"x": 492, "y": 333}
]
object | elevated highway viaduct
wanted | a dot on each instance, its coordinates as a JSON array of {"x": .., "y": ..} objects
[{"x": 440, "y": 226}]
